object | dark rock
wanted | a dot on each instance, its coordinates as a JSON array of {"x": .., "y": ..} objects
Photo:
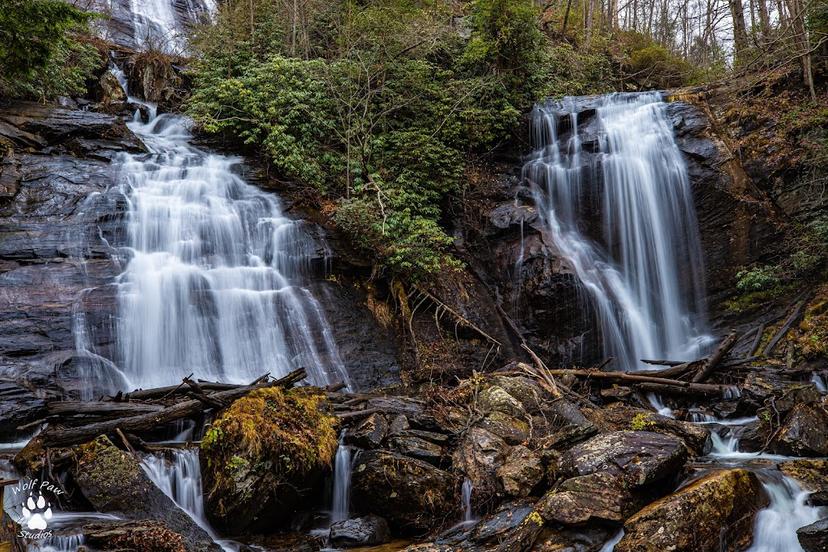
[
  {"x": 479, "y": 455},
  {"x": 134, "y": 535},
  {"x": 369, "y": 433},
  {"x": 414, "y": 446},
  {"x": 597, "y": 496},
  {"x": 398, "y": 424},
  {"x": 514, "y": 527},
  {"x": 811, "y": 473},
  {"x": 521, "y": 471},
  {"x": 619, "y": 416},
  {"x": 711, "y": 514},
  {"x": 18, "y": 406},
  {"x": 640, "y": 458},
  {"x": 113, "y": 482},
  {"x": 804, "y": 432},
  {"x": 512, "y": 430},
  {"x": 362, "y": 531},
  {"x": 411, "y": 494},
  {"x": 814, "y": 537}
]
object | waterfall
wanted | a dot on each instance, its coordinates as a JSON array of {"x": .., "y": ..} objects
[
  {"x": 214, "y": 281},
  {"x": 645, "y": 281},
  {"x": 466, "y": 492},
  {"x": 775, "y": 526},
  {"x": 341, "y": 502},
  {"x": 180, "y": 480}
]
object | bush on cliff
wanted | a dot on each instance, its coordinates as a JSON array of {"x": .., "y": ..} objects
[
  {"x": 42, "y": 54},
  {"x": 261, "y": 451}
]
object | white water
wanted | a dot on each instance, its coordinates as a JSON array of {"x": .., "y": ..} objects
[
  {"x": 609, "y": 546},
  {"x": 157, "y": 26},
  {"x": 341, "y": 502},
  {"x": 775, "y": 526},
  {"x": 180, "y": 480},
  {"x": 213, "y": 286},
  {"x": 645, "y": 281},
  {"x": 466, "y": 491}
]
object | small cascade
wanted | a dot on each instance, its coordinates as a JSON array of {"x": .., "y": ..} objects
[
  {"x": 180, "y": 479},
  {"x": 57, "y": 543},
  {"x": 775, "y": 526},
  {"x": 466, "y": 495},
  {"x": 341, "y": 501},
  {"x": 609, "y": 546},
  {"x": 645, "y": 281}
]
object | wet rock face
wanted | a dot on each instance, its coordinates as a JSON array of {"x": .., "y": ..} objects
[
  {"x": 58, "y": 221},
  {"x": 363, "y": 531},
  {"x": 814, "y": 537},
  {"x": 804, "y": 431},
  {"x": 134, "y": 535},
  {"x": 696, "y": 518},
  {"x": 413, "y": 495},
  {"x": 112, "y": 481}
]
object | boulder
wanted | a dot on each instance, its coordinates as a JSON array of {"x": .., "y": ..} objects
[
  {"x": 495, "y": 399},
  {"x": 417, "y": 447},
  {"x": 619, "y": 416},
  {"x": 531, "y": 397},
  {"x": 513, "y": 527},
  {"x": 711, "y": 514},
  {"x": 479, "y": 455},
  {"x": 113, "y": 482},
  {"x": 413, "y": 495},
  {"x": 640, "y": 458},
  {"x": 804, "y": 431},
  {"x": 521, "y": 472},
  {"x": 369, "y": 530},
  {"x": 810, "y": 473},
  {"x": 597, "y": 496},
  {"x": 263, "y": 457},
  {"x": 133, "y": 535},
  {"x": 512, "y": 430},
  {"x": 369, "y": 433},
  {"x": 814, "y": 537}
]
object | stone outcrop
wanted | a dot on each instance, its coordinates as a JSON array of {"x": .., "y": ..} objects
[
  {"x": 814, "y": 537},
  {"x": 711, "y": 514},
  {"x": 113, "y": 482},
  {"x": 369, "y": 530},
  {"x": 413, "y": 495}
]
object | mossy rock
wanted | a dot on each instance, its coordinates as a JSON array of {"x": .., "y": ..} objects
[
  {"x": 113, "y": 482},
  {"x": 264, "y": 455},
  {"x": 714, "y": 513}
]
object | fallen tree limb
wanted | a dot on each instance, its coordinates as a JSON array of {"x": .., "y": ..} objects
[
  {"x": 102, "y": 408},
  {"x": 790, "y": 321},
  {"x": 757, "y": 340},
  {"x": 53, "y": 436},
  {"x": 640, "y": 379},
  {"x": 690, "y": 389},
  {"x": 714, "y": 359}
]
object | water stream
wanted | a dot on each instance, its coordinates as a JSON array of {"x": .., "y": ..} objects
[
  {"x": 645, "y": 280},
  {"x": 214, "y": 281},
  {"x": 343, "y": 466}
]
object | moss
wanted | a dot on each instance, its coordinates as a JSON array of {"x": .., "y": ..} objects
[
  {"x": 106, "y": 467},
  {"x": 284, "y": 432},
  {"x": 641, "y": 421},
  {"x": 811, "y": 337}
]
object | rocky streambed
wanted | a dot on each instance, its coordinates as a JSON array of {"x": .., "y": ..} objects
[{"x": 518, "y": 457}]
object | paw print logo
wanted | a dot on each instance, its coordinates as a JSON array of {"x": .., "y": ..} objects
[{"x": 36, "y": 512}]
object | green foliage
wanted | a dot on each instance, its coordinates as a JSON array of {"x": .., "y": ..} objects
[
  {"x": 651, "y": 64},
  {"x": 40, "y": 54},
  {"x": 383, "y": 118},
  {"x": 757, "y": 279}
]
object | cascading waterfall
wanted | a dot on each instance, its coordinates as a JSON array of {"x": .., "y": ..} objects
[
  {"x": 466, "y": 491},
  {"x": 213, "y": 283},
  {"x": 341, "y": 502},
  {"x": 156, "y": 23},
  {"x": 775, "y": 526},
  {"x": 645, "y": 281}
]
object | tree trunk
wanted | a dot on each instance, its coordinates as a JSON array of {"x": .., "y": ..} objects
[
  {"x": 739, "y": 30},
  {"x": 764, "y": 19},
  {"x": 796, "y": 12}
]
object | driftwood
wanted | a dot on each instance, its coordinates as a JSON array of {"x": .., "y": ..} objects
[
  {"x": 101, "y": 408},
  {"x": 640, "y": 379},
  {"x": 690, "y": 389},
  {"x": 54, "y": 436},
  {"x": 714, "y": 359},
  {"x": 790, "y": 321},
  {"x": 757, "y": 339},
  {"x": 662, "y": 362}
]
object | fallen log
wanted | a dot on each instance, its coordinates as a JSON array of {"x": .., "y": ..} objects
[
  {"x": 54, "y": 437},
  {"x": 711, "y": 362},
  {"x": 640, "y": 379},
  {"x": 654, "y": 362},
  {"x": 161, "y": 392},
  {"x": 790, "y": 321},
  {"x": 757, "y": 340},
  {"x": 690, "y": 389},
  {"x": 102, "y": 408}
]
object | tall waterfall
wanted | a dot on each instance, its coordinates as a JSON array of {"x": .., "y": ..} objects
[
  {"x": 214, "y": 282},
  {"x": 645, "y": 279}
]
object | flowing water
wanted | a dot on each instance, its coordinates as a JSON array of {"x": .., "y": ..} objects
[
  {"x": 214, "y": 282},
  {"x": 180, "y": 479},
  {"x": 156, "y": 24},
  {"x": 343, "y": 466},
  {"x": 466, "y": 495},
  {"x": 645, "y": 279}
]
